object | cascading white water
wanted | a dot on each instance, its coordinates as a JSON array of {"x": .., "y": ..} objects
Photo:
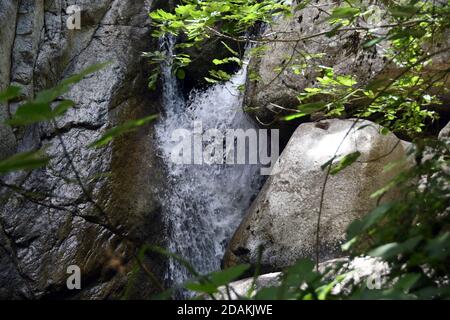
[{"x": 204, "y": 203}]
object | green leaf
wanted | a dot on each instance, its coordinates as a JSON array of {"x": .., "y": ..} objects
[
  {"x": 227, "y": 60},
  {"x": 270, "y": 293},
  {"x": 345, "y": 162},
  {"x": 226, "y": 276},
  {"x": 386, "y": 250},
  {"x": 220, "y": 75},
  {"x": 334, "y": 31},
  {"x": 346, "y": 246},
  {"x": 294, "y": 116},
  {"x": 207, "y": 287},
  {"x": 365, "y": 126},
  {"x": 403, "y": 11},
  {"x": 47, "y": 96},
  {"x": 181, "y": 74},
  {"x": 393, "y": 249},
  {"x": 229, "y": 49},
  {"x": 212, "y": 81},
  {"x": 24, "y": 161},
  {"x": 62, "y": 107},
  {"x": 31, "y": 112},
  {"x": 308, "y": 108},
  {"x": 300, "y": 273},
  {"x": 162, "y": 15},
  {"x": 344, "y": 13},
  {"x": 347, "y": 81},
  {"x": 407, "y": 281},
  {"x": 324, "y": 291},
  {"x": 327, "y": 164},
  {"x": 39, "y": 109},
  {"x": 371, "y": 43},
  {"x": 384, "y": 131},
  {"x": 361, "y": 225},
  {"x": 120, "y": 130},
  {"x": 153, "y": 80},
  {"x": 89, "y": 70},
  {"x": 10, "y": 93},
  {"x": 439, "y": 247}
]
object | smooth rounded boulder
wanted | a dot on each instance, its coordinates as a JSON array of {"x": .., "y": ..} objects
[{"x": 283, "y": 220}]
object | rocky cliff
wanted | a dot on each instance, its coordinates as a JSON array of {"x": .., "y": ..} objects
[{"x": 54, "y": 223}]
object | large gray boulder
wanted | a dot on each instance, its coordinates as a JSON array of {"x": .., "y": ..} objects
[
  {"x": 284, "y": 217},
  {"x": 53, "y": 224}
]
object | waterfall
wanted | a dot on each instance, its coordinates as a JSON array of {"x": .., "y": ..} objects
[{"x": 204, "y": 204}]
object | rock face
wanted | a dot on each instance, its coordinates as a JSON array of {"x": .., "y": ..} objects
[
  {"x": 8, "y": 12},
  {"x": 281, "y": 87},
  {"x": 283, "y": 218},
  {"x": 54, "y": 224},
  {"x": 276, "y": 83}
]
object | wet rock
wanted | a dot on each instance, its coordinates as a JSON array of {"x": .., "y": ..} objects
[
  {"x": 58, "y": 223},
  {"x": 8, "y": 12}
]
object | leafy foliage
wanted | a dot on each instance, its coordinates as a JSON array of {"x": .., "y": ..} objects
[
  {"x": 47, "y": 107},
  {"x": 127, "y": 127},
  {"x": 412, "y": 234},
  {"x": 40, "y": 109},
  {"x": 404, "y": 30},
  {"x": 196, "y": 21}
]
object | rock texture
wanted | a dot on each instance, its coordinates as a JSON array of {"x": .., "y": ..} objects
[
  {"x": 360, "y": 269},
  {"x": 8, "y": 12},
  {"x": 283, "y": 218},
  {"x": 445, "y": 132},
  {"x": 54, "y": 223},
  {"x": 278, "y": 85}
]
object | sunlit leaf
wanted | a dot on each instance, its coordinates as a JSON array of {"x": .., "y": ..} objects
[
  {"x": 294, "y": 116},
  {"x": 122, "y": 129},
  {"x": 229, "y": 49},
  {"x": 346, "y": 161}
]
